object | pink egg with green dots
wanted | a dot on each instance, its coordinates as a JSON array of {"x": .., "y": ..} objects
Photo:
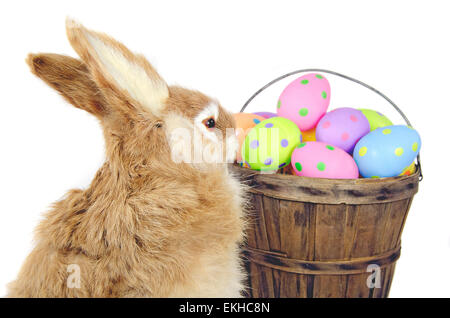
[
  {"x": 269, "y": 145},
  {"x": 342, "y": 127},
  {"x": 305, "y": 100},
  {"x": 321, "y": 160}
]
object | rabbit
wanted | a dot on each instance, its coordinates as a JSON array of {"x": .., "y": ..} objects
[{"x": 151, "y": 223}]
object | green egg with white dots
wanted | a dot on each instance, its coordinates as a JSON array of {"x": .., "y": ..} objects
[
  {"x": 269, "y": 145},
  {"x": 376, "y": 119}
]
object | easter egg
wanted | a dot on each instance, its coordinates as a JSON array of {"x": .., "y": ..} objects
[
  {"x": 321, "y": 160},
  {"x": 376, "y": 119},
  {"x": 269, "y": 145},
  {"x": 385, "y": 152},
  {"x": 309, "y": 135},
  {"x": 409, "y": 170},
  {"x": 305, "y": 100},
  {"x": 342, "y": 127},
  {"x": 244, "y": 122},
  {"x": 266, "y": 114}
]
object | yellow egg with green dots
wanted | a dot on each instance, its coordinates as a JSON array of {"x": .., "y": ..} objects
[
  {"x": 376, "y": 119},
  {"x": 269, "y": 145}
]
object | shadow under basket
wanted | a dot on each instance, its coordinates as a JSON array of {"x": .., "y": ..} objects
[{"x": 311, "y": 237}]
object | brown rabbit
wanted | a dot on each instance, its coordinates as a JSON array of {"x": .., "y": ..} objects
[{"x": 152, "y": 223}]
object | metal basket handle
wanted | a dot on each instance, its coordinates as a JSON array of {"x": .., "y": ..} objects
[{"x": 419, "y": 168}]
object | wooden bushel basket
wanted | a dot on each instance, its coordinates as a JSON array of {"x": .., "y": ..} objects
[{"x": 311, "y": 237}]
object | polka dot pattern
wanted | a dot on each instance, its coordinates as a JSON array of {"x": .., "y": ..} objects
[
  {"x": 345, "y": 136},
  {"x": 321, "y": 160},
  {"x": 298, "y": 166},
  {"x": 399, "y": 151},
  {"x": 376, "y": 119},
  {"x": 362, "y": 151},
  {"x": 342, "y": 127},
  {"x": 321, "y": 166},
  {"x": 305, "y": 100},
  {"x": 270, "y": 144},
  {"x": 386, "y": 151},
  {"x": 244, "y": 124},
  {"x": 303, "y": 112},
  {"x": 254, "y": 144}
]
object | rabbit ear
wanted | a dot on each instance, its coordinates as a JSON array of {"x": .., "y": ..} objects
[
  {"x": 71, "y": 78},
  {"x": 117, "y": 70}
]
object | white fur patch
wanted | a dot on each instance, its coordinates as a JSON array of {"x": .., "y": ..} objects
[
  {"x": 131, "y": 77},
  {"x": 179, "y": 134},
  {"x": 211, "y": 110},
  {"x": 232, "y": 145}
]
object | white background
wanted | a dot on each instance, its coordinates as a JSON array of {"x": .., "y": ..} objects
[{"x": 228, "y": 50}]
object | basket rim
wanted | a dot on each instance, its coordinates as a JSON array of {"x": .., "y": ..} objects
[
  {"x": 337, "y": 181},
  {"x": 329, "y": 191}
]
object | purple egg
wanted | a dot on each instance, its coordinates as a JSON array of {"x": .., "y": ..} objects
[
  {"x": 342, "y": 127},
  {"x": 266, "y": 114}
]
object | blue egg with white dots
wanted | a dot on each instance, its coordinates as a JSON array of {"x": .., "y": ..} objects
[{"x": 386, "y": 151}]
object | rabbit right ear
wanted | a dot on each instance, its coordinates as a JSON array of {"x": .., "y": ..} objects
[{"x": 122, "y": 75}]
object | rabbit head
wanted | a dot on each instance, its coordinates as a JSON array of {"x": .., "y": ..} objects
[{"x": 144, "y": 119}]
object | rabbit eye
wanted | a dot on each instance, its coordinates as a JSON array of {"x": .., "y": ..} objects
[{"x": 209, "y": 123}]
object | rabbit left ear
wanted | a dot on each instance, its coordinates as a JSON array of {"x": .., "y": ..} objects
[{"x": 117, "y": 70}]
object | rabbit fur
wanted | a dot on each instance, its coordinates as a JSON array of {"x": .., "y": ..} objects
[{"x": 148, "y": 225}]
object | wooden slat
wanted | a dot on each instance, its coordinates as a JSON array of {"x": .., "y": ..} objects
[
  {"x": 272, "y": 222},
  {"x": 357, "y": 286},
  {"x": 333, "y": 286},
  {"x": 351, "y": 225},
  {"x": 297, "y": 223},
  {"x": 370, "y": 224},
  {"x": 262, "y": 242},
  {"x": 329, "y": 232}
]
